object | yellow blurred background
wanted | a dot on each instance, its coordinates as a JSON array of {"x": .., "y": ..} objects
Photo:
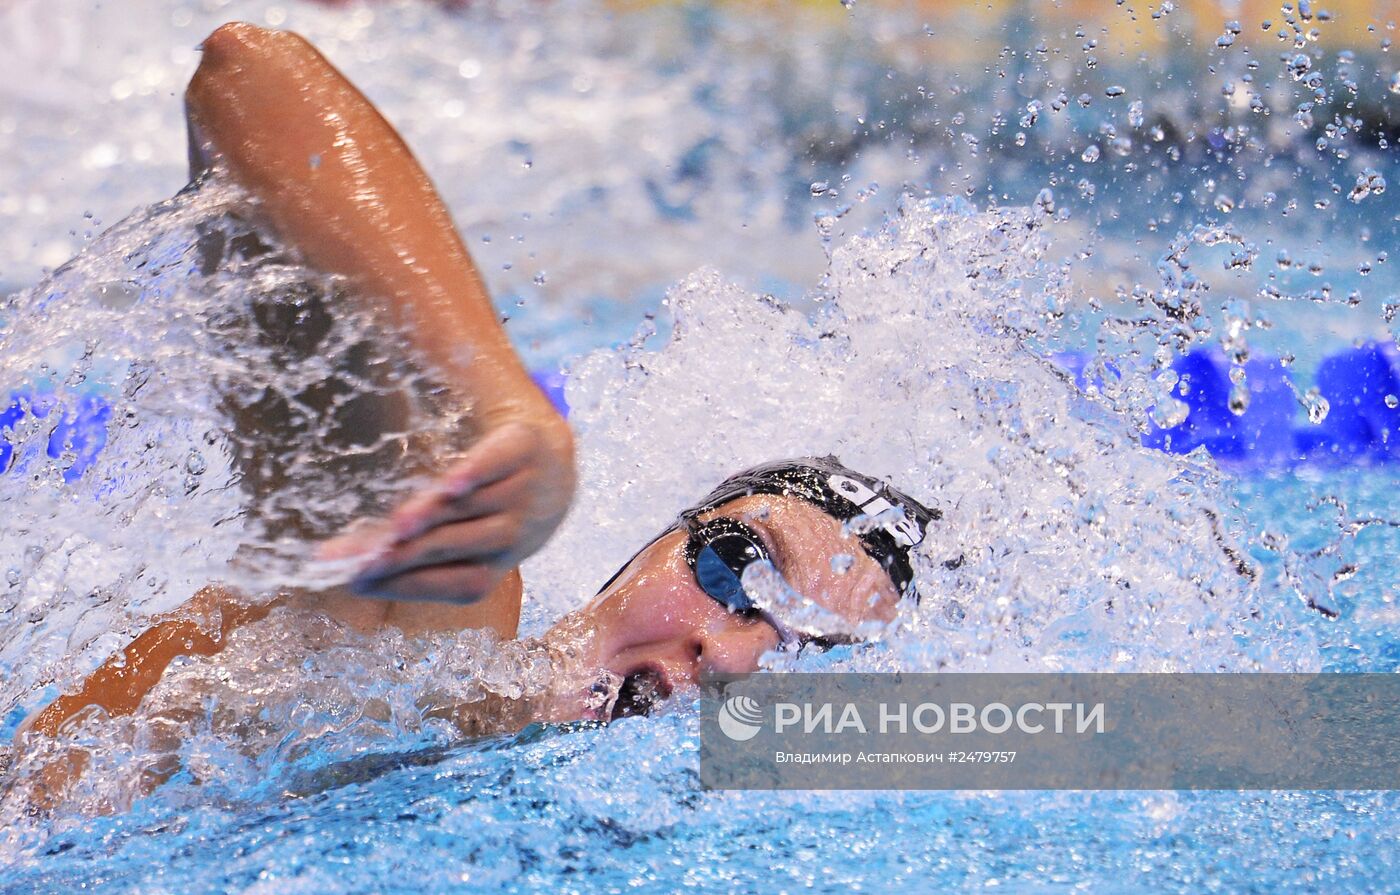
[{"x": 1133, "y": 24}]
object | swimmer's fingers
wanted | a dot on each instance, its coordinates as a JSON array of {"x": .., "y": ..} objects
[
  {"x": 425, "y": 512},
  {"x": 490, "y": 510},
  {"x": 460, "y": 562},
  {"x": 465, "y": 490},
  {"x": 429, "y": 509}
]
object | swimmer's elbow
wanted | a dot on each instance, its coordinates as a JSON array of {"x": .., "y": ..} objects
[
  {"x": 236, "y": 49},
  {"x": 237, "y": 43}
]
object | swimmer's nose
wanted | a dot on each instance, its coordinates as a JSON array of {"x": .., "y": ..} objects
[{"x": 683, "y": 630}]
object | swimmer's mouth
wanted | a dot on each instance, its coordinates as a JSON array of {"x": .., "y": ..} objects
[{"x": 641, "y": 691}]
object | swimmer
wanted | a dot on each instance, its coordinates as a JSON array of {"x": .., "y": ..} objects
[{"x": 333, "y": 179}]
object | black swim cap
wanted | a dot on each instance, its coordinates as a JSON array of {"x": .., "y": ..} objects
[{"x": 843, "y": 494}]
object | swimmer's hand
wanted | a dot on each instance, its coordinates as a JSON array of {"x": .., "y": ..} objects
[
  {"x": 333, "y": 179},
  {"x": 456, "y": 540}
]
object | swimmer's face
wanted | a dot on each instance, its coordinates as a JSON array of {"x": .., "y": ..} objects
[{"x": 655, "y": 627}]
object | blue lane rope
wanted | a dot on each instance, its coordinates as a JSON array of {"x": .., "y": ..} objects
[{"x": 1361, "y": 386}]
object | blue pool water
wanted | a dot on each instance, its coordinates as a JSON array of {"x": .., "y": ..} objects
[{"x": 697, "y": 211}]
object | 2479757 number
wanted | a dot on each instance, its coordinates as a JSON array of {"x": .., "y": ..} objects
[{"x": 982, "y": 757}]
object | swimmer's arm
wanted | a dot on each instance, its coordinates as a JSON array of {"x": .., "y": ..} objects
[
  {"x": 199, "y": 628},
  {"x": 334, "y": 180},
  {"x": 202, "y": 626}
]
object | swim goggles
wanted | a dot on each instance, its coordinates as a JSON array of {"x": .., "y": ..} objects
[{"x": 718, "y": 552}]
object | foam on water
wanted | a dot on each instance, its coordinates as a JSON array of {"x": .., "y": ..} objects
[
  {"x": 1072, "y": 546},
  {"x": 921, "y": 352},
  {"x": 237, "y": 434},
  {"x": 1064, "y": 544}
]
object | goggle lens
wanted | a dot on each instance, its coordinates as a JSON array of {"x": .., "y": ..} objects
[
  {"x": 719, "y": 567},
  {"x": 718, "y": 552}
]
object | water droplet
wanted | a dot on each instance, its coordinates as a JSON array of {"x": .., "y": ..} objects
[
  {"x": 541, "y": 279},
  {"x": 1317, "y": 406},
  {"x": 1392, "y": 401},
  {"x": 1114, "y": 91},
  {"x": 1091, "y": 153},
  {"x": 1367, "y": 182},
  {"x": 1135, "y": 113},
  {"x": 1032, "y": 113},
  {"x": 954, "y": 613},
  {"x": 1170, "y": 413},
  {"x": 195, "y": 464},
  {"x": 1395, "y": 83},
  {"x": 820, "y": 188},
  {"x": 841, "y": 563},
  {"x": 1045, "y": 201},
  {"x": 1239, "y": 399}
]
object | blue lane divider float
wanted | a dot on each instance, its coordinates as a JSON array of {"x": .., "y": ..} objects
[
  {"x": 79, "y": 431},
  {"x": 1361, "y": 385},
  {"x": 551, "y": 382},
  {"x": 1262, "y": 433}
]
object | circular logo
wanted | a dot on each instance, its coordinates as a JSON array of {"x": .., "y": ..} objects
[{"x": 740, "y": 718}]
